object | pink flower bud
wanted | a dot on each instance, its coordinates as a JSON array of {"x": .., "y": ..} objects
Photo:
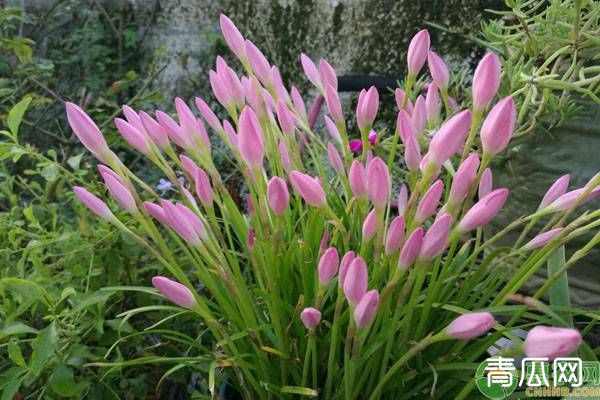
[
  {"x": 333, "y": 104},
  {"x": 378, "y": 182},
  {"x": 411, "y": 249},
  {"x": 324, "y": 240},
  {"x": 395, "y": 235},
  {"x": 498, "y": 126},
  {"x": 332, "y": 129},
  {"x": 155, "y": 131},
  {"x": 569, "y": 199},
  {"x": 399, "y": 96},
  {"x": 335, "y": 159},
  {"x": 285, "y": 118},
  {"x": 310, "y": 70},
  {"x": 357, "y": 177},
  {"x": 220, "y": 89},
  {"x": 95, "y": 204},
  {"x": 558, "y": 188},
  {"x": 369, "y": 227},
  {"x": 355, "y": 281},
  {"x": 231, "y": 133},
  {"x": 483, "y": 211},
  {"x": 284, "y": 156},
  {"x": 542, "y": 239},
  {"x": 189, "y": 166},
  {"x": 355, "y": 146},
  {"x": 408, "y": 134},
  {"x": 402, "y": 199},
  {"x": 120, "y": 193},
  {"x": 438, "y": 69},
  {"x": 486, "y": 80},
  {"x": 258, "y": 62},
  {"x": 419, "y": 115},
  {"x": 432, "y": 104},
  {"x": 269, "y": 101},
  {"x": 185, "y": 222},
  {"x": 311, "y": 317},
  {"x": 550, "y": 342},
  {"x": 157, "y": 212},
  {"x": 204, "y": 189},
  {"x": 417, "y": 52},
  {"x": 250, "y": 138},
  {"x": 463, "y": 179},
  {"x": 233, "y": 37},
  {"x": 470, "y": 326},
  {"x": 208, "y": 115},
  {"x": 87, "y": 132},
  {"x": 327, "y": 74},
  {"x": 192, "y": 131},
  {"x": 133, "y": 136},
  {"x": 429, "y": 202},
  {"x": 449, "y": 138},
  {"x": 486, "y": 183},
  {"x": 344, "y": 265},
  {"x": 236, "y": 90},
  {"x": 436, "y": 238},
  {"x": 366, "y": 309},
  {"x": 328, "y": 265},
  {"x": 372, "y": 137},
  {"x": 308, "y": 188},
  {"x": 174, "y": 291},
  {"x": 282, "y": 93},
  {"x": 366, "y": 109},
  {"x": 278, "y": 195},
  {"x": 298, "y": 102}
]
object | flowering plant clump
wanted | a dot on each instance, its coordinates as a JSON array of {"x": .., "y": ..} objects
[{"x": 321, "y": 284}]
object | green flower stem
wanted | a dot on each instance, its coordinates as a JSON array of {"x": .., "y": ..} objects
[{"x": 333, "y": 342}]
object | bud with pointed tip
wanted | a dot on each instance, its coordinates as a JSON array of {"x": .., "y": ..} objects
[
  {"x": 399, "y": 96},
  {"x": 569, "y": 199},
  {"x": 486, "y": 183},
  {"x": 408, "y": 134},
  {"x": 174, "y": 291},
  {"x": 208, "y": 114},
  {"x": 436, "y": 238},
  {"x": 204, "y": 189},
  {"x": 542, "y": 239},
  {"x": 344, "y": 265},
  {"x": 327, "y": 74},
  {"x": 87, "y": 131},
  {"x": 378, "y": 182},
  {"x": 233, "y": 37},
  {"x": 298, "y": 101},
  {"x": 310, "y": 70},
  {"x": 366, "y": 108},
  {"x": 419, "y": 115},
  {"x": 369, "y": 227},
  {"x": 417, "y": 52},
  {"x": 120, "y": 193},
  {"x": 366, "y": 309},
  {"x": 278, "y": 195},
  {"x": 429, "y": 202},
  {"x": 432, "y": 104},
  {"x": 558, "y": 188},
  {"x": 192, "y": 129},
  {"x": 550, "y": 342},
  {"x": 355, "y": 281},
  {"x": 334, "y": 159},
  {"x": 328, "y": 265},
  {"x": 285, "y": 118},
  {"x": 308, "y": 188},
  {"x": 498, "y": 126},
  {"x": 411, "y": 249},
  {"x": 463, "y": 179},
  {"x": 483, "y": 211},
  {"x": 311, "y": 317},
  {"x": 357, "y": 177},
  {"x": 284, "y": 155},
  {"x": 259, "y": 63},
  {"x": 95, "y": 204},
  {"x": 333, "y": 104},
  {"x": 402, "y": 199},
  {"x": 449, "y": 138},
  {"x": 155, "y": 131},
  {"x": 438, "y": 69},
  {"x": 250, "y": 138},
  {"x": 486, "y": 80},
  {"x": 395, "y": 235},
  {"x": 157, "y": 212},
  {"x": 470, "y": 326}
]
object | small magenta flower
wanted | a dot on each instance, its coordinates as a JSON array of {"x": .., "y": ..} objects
[
  {"x": 470, "y": 326},
  {"x": 311, "y": 317},
  {"x": 328, "y": 265},
  {"x": 417, "y": 52},
  {"x": 87, "y": 131},
  {"x": 429, "y": 202},
  {"x": 399, "y": 96},
  {"x": 310, "y": 70},
  {"x": 120, "y": 193},
  {"x": 155, "y": 131},
  {"x": 395, "y": 235},
  {"x": 233, "y": 37},
  {"x": 333, "y": 104},
  {"x": 258, "y": 63},
  {"x": 432, "y": 104},
  {"x": 498, "y": 126},
  {"x": 366, "y": 309},
  {"x": 284, "y": 155},
  {"x": 378, "y": 182},
  {"x": 486, "y": 80},
  {"x": 95, "y": 204},
  {"x": 308, "y": 188},
  {"x": 344, "y": 265},
  {"x": 550, "y": 342},
  {"x": 334, "y": 159},
  {"x": 402, "y": 199},
  {"x": 355, "y": 281},
  {"x": 372, "y": 138},
  {"x": 174, "y": 291},
  {"x": 408, "y": 134},
  {"x": 285, "y": 118},
  {"x": 250, "y": 138},
  {"x": 483, "y": 211},
  {"x": 436, "y": 238},
  {"x": 369, "y": 227},
  {"x": 366, "y": 108},
  {"x": 411, "y": 249},
  {"x": 327, "y": 74},
  {"x": 419, "y": 115},
  {"x": 278, "y": 195},
  {"x": 355, "y": 146},
  {"x": 449, "y": 138},
  {"x": 558, "y": 188},
  {"x": 204, "y": 189},
  {"x": 486, "y": 183},
  {"x": 542, "y": 239},
  {"x": 438, "y": 69},
  {"x": 357, "y": 177},
  {"x": 463, "y": 179}
]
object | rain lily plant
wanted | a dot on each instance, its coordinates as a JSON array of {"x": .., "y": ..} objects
[{"x": 352, "y": 271}]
